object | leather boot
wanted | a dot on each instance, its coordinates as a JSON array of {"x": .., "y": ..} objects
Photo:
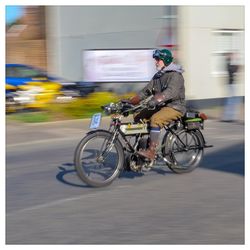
[
  {"x": 154, "y": 138},
  {"x": 150, "y": 152}
]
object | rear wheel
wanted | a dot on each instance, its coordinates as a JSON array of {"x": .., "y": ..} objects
[
  {"x": 99, "y": 160},
  {"x": 183, "y": 151}
]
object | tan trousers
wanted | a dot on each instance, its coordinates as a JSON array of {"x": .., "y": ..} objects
[{"x": 158, "y": 117}]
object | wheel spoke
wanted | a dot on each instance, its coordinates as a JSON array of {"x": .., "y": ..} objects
[
  {"x": 185, "y": 150},
  {"x": 98, "y": 159}
]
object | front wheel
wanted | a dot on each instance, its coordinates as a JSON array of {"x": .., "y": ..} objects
[
  {"x": 184, "y": 150},
  {"x": 99, "y": 159}
]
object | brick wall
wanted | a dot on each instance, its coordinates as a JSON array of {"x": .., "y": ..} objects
[
  {"x": 26, "y": 41},
  {"x": 31, "y": 52}
]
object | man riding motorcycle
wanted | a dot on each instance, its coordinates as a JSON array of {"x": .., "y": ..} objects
[{"x": 168, "y": 103}]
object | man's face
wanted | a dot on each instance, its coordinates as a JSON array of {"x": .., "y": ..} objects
[{"x": 159, "y": 64}]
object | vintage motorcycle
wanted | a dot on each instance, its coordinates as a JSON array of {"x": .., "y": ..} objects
[{"x": 102, "y": 155}]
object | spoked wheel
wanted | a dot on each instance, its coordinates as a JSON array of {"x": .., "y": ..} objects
[
  {"x": 184, "y": 150},
  {"x": 99, "y": 160}
]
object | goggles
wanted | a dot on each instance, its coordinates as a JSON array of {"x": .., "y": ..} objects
[{"x": 156, "y": 54}]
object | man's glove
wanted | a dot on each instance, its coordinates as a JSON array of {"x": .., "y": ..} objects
[
  {"x": 133, "y": 100},
  {"x": 156, "y": 100}
]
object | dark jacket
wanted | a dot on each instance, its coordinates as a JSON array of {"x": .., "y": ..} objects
[
  {"x": 232, "y": 69},
  {"x": 170, "y": 82}
]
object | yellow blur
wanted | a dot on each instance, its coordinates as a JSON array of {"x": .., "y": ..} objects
[
  {"x": 10, "y": 87},
  {"x": 44, "y": 93}
]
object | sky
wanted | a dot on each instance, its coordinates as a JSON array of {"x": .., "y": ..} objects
[{"x": 13, "y": 13}]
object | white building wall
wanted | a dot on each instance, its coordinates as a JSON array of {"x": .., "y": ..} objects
[
  {"x": 72, "y": 29},
  {"x": 196, "y": 43}
]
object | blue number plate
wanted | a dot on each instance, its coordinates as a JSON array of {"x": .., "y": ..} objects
[{"x": 95, "y": 121}]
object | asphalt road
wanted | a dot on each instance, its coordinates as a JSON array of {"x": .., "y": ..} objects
[{"x": 46, "y": 203}]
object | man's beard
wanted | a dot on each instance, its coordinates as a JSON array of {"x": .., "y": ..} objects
[{"x": 158, "y": 68}]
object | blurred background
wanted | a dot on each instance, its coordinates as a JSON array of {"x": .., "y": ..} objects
[{"x": 66, "y": 61}]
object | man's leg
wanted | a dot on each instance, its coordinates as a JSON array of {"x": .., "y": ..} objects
[
  {"x": 157, "y": 121},
  {"x": 144, "y": 114},
  {"x": 164, "y": 117}
]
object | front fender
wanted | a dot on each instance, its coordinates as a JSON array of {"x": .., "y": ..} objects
[{"x": 98, "y": 130}]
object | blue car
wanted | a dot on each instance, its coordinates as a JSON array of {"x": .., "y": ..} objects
[{"x": 20, "y": 74}]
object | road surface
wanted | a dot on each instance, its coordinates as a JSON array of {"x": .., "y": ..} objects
[{"x": 46, "y": 203}]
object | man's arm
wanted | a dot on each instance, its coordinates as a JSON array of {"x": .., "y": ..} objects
[{"x": 148, "y": 88}]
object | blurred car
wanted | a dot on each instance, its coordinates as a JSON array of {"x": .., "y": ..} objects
[
  {"x": 30, "y": 87},
  {"x": 21, "y": 74}
]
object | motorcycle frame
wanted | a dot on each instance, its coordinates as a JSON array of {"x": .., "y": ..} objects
[{"x": 116, "y": 123}]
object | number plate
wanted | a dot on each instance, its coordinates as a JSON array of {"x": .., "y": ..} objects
[{"x": 95, "y": 121}]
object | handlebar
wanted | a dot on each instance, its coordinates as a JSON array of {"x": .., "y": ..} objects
[{"x": 124, "y": 108}]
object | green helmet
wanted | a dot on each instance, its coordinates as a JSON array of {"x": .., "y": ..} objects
[{"x": 164, "y": 55}]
